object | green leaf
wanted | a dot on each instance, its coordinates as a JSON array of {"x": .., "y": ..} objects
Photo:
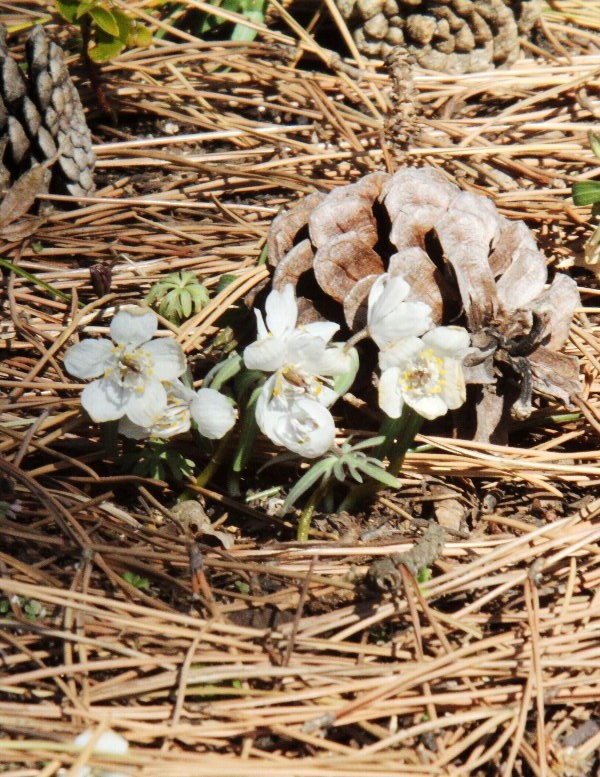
[
  {"x": 423, "y": 575},
  {"x": 106, "y": 49},
  {"x": 137, "y": 581},
  {"x": 224, "y": 371},
  {"x": 224, "y": 282},
  {"x": 586, "y": 192},
  {"x": 34, "y": 279},
  {"x": 185, "y": 303},
  {"x": 370, "y": 442},
  {"x": 68, "y": 9},
  {"x": 125, "y": 24},
  {"x": 594, "y": 143},
  {"x": 105, "y": 20},
  {"x": 139, "y": 35},
  {"x": 85, "y": 6},
  {"x": 244, "y": 34},
  {"x": 381, "y": 475},
  {"x": 322, "y": 469}
]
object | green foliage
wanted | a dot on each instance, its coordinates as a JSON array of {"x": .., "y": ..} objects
[
  {"x": 253, "y": 10},
  {"x": 178, "y": 296},
  {"x": 31, "y": 608},
  {"x": 158, "y": 461},
  {"x": 112, "y": 30},
  {"x": 137, "y": 581},
  {"x": 424, "y": 575},
  {"x": 588, "y": 192},
  {"x": 347, "y": 462}
]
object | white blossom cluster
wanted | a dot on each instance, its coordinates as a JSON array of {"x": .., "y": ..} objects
[
  {"x": 137, "y": 382},
  {"x": 420, "y": 365},
  {"x": 136, "y": 377}
]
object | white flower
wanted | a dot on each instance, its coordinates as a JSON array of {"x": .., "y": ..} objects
[
  {"x": 425, "y": 373},
  {"x": 213, "y": 413},
  {"x": 301, "y": 357},
  {"x": 130, "y": 370},
  {"x": 109, "y": 743},
  {"x": 300, "y": 424},
  {"x": 389, "y": 317}
]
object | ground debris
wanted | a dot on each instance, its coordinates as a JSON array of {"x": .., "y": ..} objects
[{"x": 384, "y": 573}]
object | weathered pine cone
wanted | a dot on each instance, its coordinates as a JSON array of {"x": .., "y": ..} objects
[
  {"x": 455, "y": 36},
  {"x": 41, "y": 119},
  {"x": 473, "y": 267}
]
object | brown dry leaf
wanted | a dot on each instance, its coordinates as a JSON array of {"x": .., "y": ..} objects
[
  {"x": 21, "y": 195},
  {"x": 193, "y": 518},
  {"x": 450, "y": 512}
]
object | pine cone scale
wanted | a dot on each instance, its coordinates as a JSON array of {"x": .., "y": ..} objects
[{"x": 41, "y": 118}]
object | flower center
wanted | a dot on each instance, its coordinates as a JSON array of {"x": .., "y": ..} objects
[
  {"x": 424, "y": 376},
  {"x": 302, "y": 428},
  {"x": 130, "y": 366},
  {"x": 293, "y": 382}
]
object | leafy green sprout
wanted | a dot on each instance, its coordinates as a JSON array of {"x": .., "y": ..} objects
[
  {"x": 178, "y": 296},
  {"x": 344, "y": 463},
  {"x": 137, "y": 581},
  {"x": 108, "y": 29}
]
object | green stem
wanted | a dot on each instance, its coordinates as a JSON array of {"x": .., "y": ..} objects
[
  {"x": 399, "y": 434},
  {"x": 214, "y": 463},
  {"x": 307, "y": 513}
]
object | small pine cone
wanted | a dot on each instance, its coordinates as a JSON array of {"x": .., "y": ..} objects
[
  {"x": 455, "y": 36},
  {"x": 461, "y": 257},
  {"x": 41, "y": 118}
]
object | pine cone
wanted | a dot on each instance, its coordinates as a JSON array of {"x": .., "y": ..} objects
[
  {"x": 41, "y": 118},
  {"x": 473, "y": 267},
  {"x": 456, "y": 36}
]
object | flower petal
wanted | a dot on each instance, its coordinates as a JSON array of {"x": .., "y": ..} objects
[
  {"x": 323, "y": 329},
  {"x": 89, "y": 358},
  {"x": 104, "y": 400},
  {"x": 133, "y": 326},
  {"x": 400, "y": 352},
  {"x": 213, "y": 413},
  {"x": 429, "y": 406},
  {"x": 304, "y": 426},
  {"x": 386, "y": 289},
  {"x": 169, "y": 359},
  {"x": 282, "y": 310},
  {"x": 261, "y": 329},
  {"x": 391, "y": 400},
  {"x": 267, "y": 354},
  {"x": 454, "y": 391},
  {"x": 448, "y": 341},
  {"x": 133, "y": 431},
  {"x": 144, "y": 407},
  {"x": 305, "y": 352},
  {"x": 405, "y": 319}
]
